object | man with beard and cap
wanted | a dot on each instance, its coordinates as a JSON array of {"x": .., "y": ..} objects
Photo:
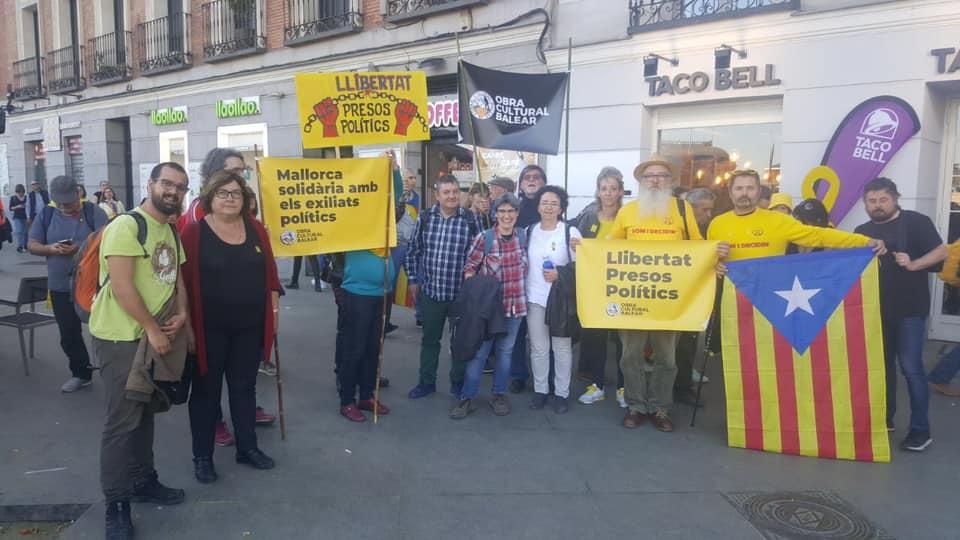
[
  {"x": 916, "y": 249},
  {"x": 655, "y": 215},
  {"x": 143, "y": 304}
]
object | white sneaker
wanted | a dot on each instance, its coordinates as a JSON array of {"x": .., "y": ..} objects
[
  {"x": 593, "y": 394},
  {"x": 697, "y": 376},
  {"x": 269, "y": 370},
  {"x": 620, "y": 399},
  {"x": 74, "y": 384}
]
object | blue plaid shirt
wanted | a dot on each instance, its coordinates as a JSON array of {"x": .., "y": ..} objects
[{"x": 438, "y": 251}]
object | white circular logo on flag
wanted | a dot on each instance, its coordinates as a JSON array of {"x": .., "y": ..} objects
[{"x": 481, "y": 105}]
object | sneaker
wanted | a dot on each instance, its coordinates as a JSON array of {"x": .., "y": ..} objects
[
  {"x": 352, "y": 413},
  {"x": 593, "y": 394},
  {"x": 461, "y": 410},
  {"x": 697, "y": 376},
  {"x": 560, "y": 405},
  {"x": 517, "y": 386},
  {"x": 488, "y": 366},
  {"x": 270, "y": 370},
  {"x": 916, "y": 441},
  {"x": 221, "y": 435},
  {"x": 153, "y": 492},
  {"x": 368, "y": 404},
  {"x": 662, "y": 421},
  {"x": 621, "y": 400},
  {"x": 539, "y": 401},
  {"x": 421, "y": 390},
  {"x": 74, "y": 384},
  {"x": 890, "y": 426},
  {"x": 263, "y": 418},
  {"x": 119, "y": 526},
  {"x": 500, "y": 405}
]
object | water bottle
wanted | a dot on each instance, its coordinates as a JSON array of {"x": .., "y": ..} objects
[{"x": 547, "y": 264}]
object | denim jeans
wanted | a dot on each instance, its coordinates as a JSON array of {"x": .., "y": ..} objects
[
  {"x": 903, "y": 341},
  {"x": 503, "y": 345},
  {"x": 519, "y": 370},
  {"x": 20, "y": 232},
  {"x": 947, "y": 367}
]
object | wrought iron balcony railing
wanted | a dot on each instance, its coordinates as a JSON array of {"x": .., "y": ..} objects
[
  {"x": 232, "y": 28},
  {"x": 64, "y": 70},
  {"x": 109, "y": 58},
  {"x": 28, "y": 79},
  {"x": 404, "y": 10},
  {"x": 648, "y": 15},
  {"x": 310, "y": 20},
  {"x": 164, "y": 44}
]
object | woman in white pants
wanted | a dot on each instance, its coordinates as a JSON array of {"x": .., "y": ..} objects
[{"x": 551, "y": 244}]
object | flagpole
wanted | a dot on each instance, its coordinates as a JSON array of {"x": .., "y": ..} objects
[
  {"x": 460, "y": 85},
  {"x": 386, "y": 286},
  {"x": 706, "y": 352},
  {"x": 566, "y": 136}
]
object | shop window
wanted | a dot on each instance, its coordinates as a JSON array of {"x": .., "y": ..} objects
[
  {"x": 705, "y": 156},
  {"x": 951, "y": 295}
]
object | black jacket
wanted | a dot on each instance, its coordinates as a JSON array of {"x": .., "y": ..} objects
[
  {"x": 476, "y": 316},
  {"x": 562, "y": 304}
]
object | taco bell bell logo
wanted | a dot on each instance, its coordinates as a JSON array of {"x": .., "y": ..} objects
[{"x": 876, "y": 132}]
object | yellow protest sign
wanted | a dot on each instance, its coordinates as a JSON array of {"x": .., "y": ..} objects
[
  {"x": 315, "y": 206},
  {"x": 646, "y": 285},
  {"x": 345, "y": 109}
]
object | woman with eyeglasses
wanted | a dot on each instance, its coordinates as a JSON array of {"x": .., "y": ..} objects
[
  {"x": 110, "y": 204},
  {"x": 231, "y": 279},
  {"x": 551, "y": 244}
]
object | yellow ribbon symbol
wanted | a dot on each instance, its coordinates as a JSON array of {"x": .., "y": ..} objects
[{"x": 822, "y": 173}]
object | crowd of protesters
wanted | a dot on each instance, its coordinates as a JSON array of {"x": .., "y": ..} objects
[{"x": 194, "y": 292}]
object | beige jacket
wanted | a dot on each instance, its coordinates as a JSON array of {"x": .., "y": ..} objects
[{"x": 149, "y": 365}]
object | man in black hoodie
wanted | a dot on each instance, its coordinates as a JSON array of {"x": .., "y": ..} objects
[{"x": 532, "y": 178}]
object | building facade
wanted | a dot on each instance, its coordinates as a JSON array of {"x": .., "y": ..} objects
[{"x": 104, "y": 89}]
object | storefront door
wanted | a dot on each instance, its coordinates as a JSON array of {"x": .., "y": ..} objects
[{"x": 945, "y": 322}]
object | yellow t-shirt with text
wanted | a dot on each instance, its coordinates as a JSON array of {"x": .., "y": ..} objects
[
  {"x": 765, "y": 233},
  {"x": 629, "y": 225}
]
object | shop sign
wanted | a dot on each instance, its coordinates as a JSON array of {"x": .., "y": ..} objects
[
  {"x": 235, "y": 108},
  {"x": 948, "y": 60},
  {"x": 443, "y": 111},
  {"x": 168, "y": 116},
  {"x": 738, "y": 78},
  {"x": 51, "y": 133}
]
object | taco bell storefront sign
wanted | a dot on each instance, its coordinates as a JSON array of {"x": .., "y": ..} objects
[{"x": 737, "y": 78}]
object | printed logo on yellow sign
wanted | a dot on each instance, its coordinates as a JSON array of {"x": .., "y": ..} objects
[
  {"x": 288, "y": 238},
  {"x": 613, "y": 309}
]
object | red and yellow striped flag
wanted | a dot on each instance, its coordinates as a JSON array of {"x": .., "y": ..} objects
[{"x": 803, "y": 356}]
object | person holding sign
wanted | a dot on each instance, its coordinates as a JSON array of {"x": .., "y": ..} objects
[
  {"x": 551, "y": 245},
  {"x": 655, "y": 215}
]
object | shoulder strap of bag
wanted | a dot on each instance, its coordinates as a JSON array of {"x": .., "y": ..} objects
[
  {"x": 89, "y": 215},
  {"x": 682, "y": 208},
  {"x": 46, "y": 216}
]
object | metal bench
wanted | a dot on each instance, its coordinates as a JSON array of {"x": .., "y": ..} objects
[{"x": 32, "y": 290}]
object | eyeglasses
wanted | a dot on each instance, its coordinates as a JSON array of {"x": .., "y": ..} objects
[
  {"x": 239, "y": 170},
  {"x": 656, "y": 176},
  {"x": 549, "y": 204},
  {"x": 224, "y": 194},
  {"x": 506, "y": 210},
  {"x": 168, "y": 185},
  {"x": 532, "y": 176}
]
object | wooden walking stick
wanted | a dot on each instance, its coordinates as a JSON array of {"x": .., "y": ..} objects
[{"x": 276, "y": 360}]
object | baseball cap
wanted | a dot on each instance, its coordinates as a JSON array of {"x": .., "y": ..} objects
[{"x": 63, "y": 190}]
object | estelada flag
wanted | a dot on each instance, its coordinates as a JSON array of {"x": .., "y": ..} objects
[{"x": 803, "y": 356}]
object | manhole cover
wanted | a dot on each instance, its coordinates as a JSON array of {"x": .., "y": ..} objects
[{"x": 804, "y": 514}]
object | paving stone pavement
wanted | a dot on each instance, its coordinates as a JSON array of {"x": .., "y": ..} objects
[{"x": 418, "y": 474}]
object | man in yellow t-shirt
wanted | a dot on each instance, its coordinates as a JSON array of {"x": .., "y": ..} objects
[
  {"x": 139, "y": 279},
  {"x": 655, "y": 215},
  {"x": 755, "y": 232}
]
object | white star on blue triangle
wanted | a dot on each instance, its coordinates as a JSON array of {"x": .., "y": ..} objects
[{"x": 797, "y": 297}]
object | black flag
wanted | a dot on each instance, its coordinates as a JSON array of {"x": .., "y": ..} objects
[{"x": 511, "y": 111}]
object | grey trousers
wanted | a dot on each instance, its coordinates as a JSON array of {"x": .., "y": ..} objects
[
  {"x": 647, "y": 392},
  {"x": 126, "y": 448}
]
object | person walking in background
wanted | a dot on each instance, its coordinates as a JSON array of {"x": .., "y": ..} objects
[
  {"x": 500, "y": 253},
  {"x": 109, "y": 203},
  {"x": 478, "y": 203},
  {"x": 552, "y": 244},
  {"x": 57, "y": 234},
  {"x": 36, "y": 200},
  {"x": 18, "y": 210},
  {"x": 410, "y": 195},
  {"x": 231, "y": 279},
  {"x": 596, "y": 221}
]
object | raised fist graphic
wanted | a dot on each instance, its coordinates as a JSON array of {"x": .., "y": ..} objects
[
  {"x": 406, "y": 111},
  {"x": 327, "y": 113}
]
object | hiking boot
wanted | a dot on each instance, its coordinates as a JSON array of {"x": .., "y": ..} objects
[
  {"x": 119, "y": 526},
  {"x": 916, "y": 441},
  {"x": 500, "y": 405},
  {"x": 633, "y": 419},
  {"x": 368, "y": 404},
  {"x": 661, "y": 420},
  {"x": 74, "y": 384},
  {"x": 538, "y": 402},
  {"x": 517, "y": 386},
  {"x": 592, "y": 394},
  {"x": 421, "y": 390},
  {"x": 204, "y": 471},
  {"x": 256, "y": 459},
  {"x": 221, "y": 435},
  {"x": 621, "y": 399},
  {"x": 352, "y": 413},
  {"x": 560, "y": 405},
  {"x": 153, "y": 492},
  {"x": 263, "y": 418},
  {"x": 461, "y": 410}
]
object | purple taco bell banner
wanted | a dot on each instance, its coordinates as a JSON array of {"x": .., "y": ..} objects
[{"x": 862, "y": 145}]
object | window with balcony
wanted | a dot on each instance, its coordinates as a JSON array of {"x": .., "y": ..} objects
[
  {"x": 405, "y": 10},
  {"x": 232, "y": 28},
  {"x": 310, "y": 20},
  {"x": 63, "y": 70},
  {"x": 163, "y": 44},
  {"x": 27, "y": 79},
  {"x": 648, "y": 15},
  {"x": 109, "y": 58}
]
